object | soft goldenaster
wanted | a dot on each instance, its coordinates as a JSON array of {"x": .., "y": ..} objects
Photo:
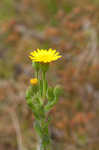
[{"x": 44, "y": 55}]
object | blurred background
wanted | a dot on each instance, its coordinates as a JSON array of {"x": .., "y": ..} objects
[{"x": 71, "y": 27}]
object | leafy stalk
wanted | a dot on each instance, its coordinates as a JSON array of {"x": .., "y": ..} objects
[{"x": 41, "y": 99}]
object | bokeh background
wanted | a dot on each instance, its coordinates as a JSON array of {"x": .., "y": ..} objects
[{"x": 71, "y": 27}]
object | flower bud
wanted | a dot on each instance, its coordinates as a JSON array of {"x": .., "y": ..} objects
[
  {"x": 36, "y": 65},
  {"x": 44, "y": 67},
  {"x": 33, "y": 81}
]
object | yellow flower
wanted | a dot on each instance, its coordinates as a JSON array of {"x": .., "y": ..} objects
[
  {"x": 44, "y": 55},
  {"x": 34, "y": 81}
]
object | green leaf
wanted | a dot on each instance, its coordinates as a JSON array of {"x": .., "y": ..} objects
[
  {"x": 50, "y": 104},
  {"x": 29, "y": 102},
  {"x": 28, "y": 95},
  {"x": 32, "y": 90},
  {"x": 50, "y": 94},
  {"x": 57, "y": 91}
]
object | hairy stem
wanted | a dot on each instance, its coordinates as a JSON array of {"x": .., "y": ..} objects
[{"x": 44, "y": 85}]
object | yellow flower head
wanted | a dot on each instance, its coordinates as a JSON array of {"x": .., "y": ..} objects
[
  {"x": 44, "y": 56},
  {"x": 33, "y": 81}
]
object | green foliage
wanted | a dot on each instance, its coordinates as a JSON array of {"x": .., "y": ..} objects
[
  {"x": 54, "y": 22},
  {"x": 41, "y": 98},
  {"x": 6, "y": 9},
  {"x": 79, "y": 105},
  {"x": 52, "y": 95},
  {"x": 5, "y": 70},
  {"x": 68, "y": 7},
  {"x": 32, "y": 90},
  {"x": 96, "y": 2},
  {"x": 51, "y": 5}
]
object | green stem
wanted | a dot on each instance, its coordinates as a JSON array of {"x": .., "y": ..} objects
[
  {"x": 36, "y": 74},
  {"x": 44, "y": 85},
  {"x": 44, "y": 140},
  {"x": 41, "y": 147}
]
